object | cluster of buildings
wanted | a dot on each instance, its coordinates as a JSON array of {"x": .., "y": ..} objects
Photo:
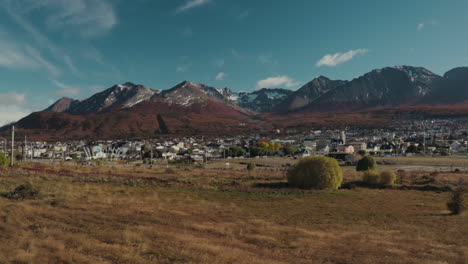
[{"x": 435, "y": 137}]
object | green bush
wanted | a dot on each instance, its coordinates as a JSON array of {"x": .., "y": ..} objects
[
  {"x": 251, "y": 166},
  {"x": 315, "y": 173},
  {"x": 371, "y": 178},
  {"x": 3, "y": 160},
  {"x": 366, "y": 163},
  {"x": 387, "y": 177},
  {"x": 455, "y": 203}
]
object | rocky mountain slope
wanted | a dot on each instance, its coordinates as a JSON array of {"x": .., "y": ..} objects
[
  {"x": 309, "y": 93},
  {"x": 121, "y": 96},
  {"x": 391, "y": 86},
  {"x": 263, "y": 100}
]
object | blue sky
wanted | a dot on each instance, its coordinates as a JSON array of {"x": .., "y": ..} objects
[{"x": 74, "y": 48}]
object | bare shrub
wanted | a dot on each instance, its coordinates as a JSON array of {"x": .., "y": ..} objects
[{"x": 456, "y": 202}]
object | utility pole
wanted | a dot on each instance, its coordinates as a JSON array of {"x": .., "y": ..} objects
[
  {"x": 24, "y": 148},
  {"x": 12, "y": 145}
]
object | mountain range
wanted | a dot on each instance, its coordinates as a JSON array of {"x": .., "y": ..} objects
[{"x": 131, "y": 110}]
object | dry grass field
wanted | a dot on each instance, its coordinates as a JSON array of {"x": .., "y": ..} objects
[{"x": 91, "y": 214}]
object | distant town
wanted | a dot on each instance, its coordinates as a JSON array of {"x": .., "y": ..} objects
[{"x": 424, "y": 137}]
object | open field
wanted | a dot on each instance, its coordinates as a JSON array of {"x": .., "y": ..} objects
[
  {"x": 417, "y": 163},
  {"x": 140, "y": 214}
]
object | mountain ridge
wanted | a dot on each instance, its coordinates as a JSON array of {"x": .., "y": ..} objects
[{"x": 193, "y": 108}]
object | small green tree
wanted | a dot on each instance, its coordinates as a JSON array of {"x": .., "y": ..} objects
[
  {"x": 456, "y": 201},
  {"x": 315, "y": 173},
  {"x": 251, "y": 166},
  {"x": 288, "y": 150},
  {"x": 366, "y": 163},
  {"x": 3, "y": 160},
  {"x": 257, "y": 151},
  {"x": 235, "y": 151}
]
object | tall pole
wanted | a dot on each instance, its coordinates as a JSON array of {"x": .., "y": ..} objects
[
  {"x": 12, "y": 145},
  {"x": 24, "y": 148}
]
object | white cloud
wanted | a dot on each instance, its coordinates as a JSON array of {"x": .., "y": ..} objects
[
  {"x": 183, "y": 68},
  {"x": 13, "y": 106},
  {"x": 420, "y": 26},
  {"x": 221, "y": 76},
  {"x": 423, "y": 25},
  {"x": 277, "y": 82},
  {"x": 66, "y": 90},
  {"x": 191, "y": 4},
  {"x": 12, "y": 113},
  {"x": 12, "y": 98},
  {"x": 339, "y": 58}
]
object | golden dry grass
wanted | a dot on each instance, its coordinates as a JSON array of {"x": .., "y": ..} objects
[{"x": 147, "y": 215}]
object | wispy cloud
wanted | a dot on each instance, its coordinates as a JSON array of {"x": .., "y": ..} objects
[
  {"x": 65, "y": 90},
  {"x": 183, "y": 68},
  {"x": 49, "y": 66},
  {"x": 74, "y": 18},
  {"x": 244, "y": 14},
  {"x": 88, "y": 18},
  {"x": 277, "y": 82},
  {"x": 191, "y": 4},
  {"x": 421, "y": 26},
  {"x": 236, "y": 54},
  {"x": 72, "y": 67},
  {"x": 218, "y": 62},
  {"x": 13, "y": 55},
  {"x": 266, "y": 59},
  {"x": 187, "y": 32},
  {"x": 16, "y": 55},
  {"x": 339, "y": 58},
  {"x": 221, "y": 76}
]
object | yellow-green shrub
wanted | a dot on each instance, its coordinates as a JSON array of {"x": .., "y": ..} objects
[
  {"x": 3, "y": 160},
  {"x": 371, "y": 178},
  {"x": 374, "y": 178},
  {"x": 387, "y": 177},
  {"x": 251, "y": 166},
  {"x": 315, "y": 173}
]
